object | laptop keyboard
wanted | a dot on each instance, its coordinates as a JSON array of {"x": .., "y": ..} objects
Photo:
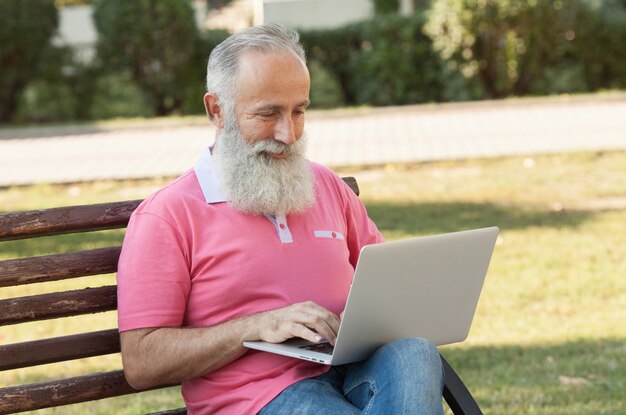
[{"x": 326, "y": 348}]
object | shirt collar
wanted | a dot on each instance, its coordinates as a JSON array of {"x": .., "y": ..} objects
[{"x": 207, "y": 178}]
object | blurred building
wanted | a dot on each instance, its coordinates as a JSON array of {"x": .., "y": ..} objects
[
  {"x": 301, "y": 14},
  {"x": 76, "y": 29}
]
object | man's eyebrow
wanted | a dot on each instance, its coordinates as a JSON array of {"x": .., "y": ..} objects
[
  {"x": 304, "y": 103},
  {"x": 277, "y": 107},
  {"x": 268, "y": 108}
]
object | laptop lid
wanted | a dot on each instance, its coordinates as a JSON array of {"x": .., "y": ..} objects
[{"x": 421, "y": 287}]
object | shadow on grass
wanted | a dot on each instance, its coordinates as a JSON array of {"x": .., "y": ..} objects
[
  {"x": 578, "y": 377},
  {"x": 427, "y": 218},
  {"x": 30, "y": 131}
]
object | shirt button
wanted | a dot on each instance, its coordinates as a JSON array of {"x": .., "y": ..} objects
[
  {"x": 334, "y": 235},
  {"x": 282, "y": 226}
]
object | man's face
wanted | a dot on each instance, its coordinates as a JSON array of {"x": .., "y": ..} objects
[
  {"x": 259, "y": 156},
  {"x": 273, "y": 93}
]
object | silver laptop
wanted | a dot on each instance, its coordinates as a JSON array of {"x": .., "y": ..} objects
[{"x": 421, "y": 287}]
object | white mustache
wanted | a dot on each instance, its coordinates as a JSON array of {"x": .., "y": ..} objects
[{"x": 273, "y": 146}]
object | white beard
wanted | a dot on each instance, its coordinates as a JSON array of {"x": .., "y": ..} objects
[{"x": 258, "y": 184}]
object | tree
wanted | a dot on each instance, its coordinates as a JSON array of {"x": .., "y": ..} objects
[
  {"x": 601, "y": 45},
  {"x": 26, "y": 27},
  {"x": 155, "y": 41},
  {"x": 506, "y": 44}
]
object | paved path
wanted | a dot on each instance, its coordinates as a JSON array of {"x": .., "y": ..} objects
[{"x": 336, "y": 138}]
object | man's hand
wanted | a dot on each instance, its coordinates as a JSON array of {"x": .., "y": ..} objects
[{"x": 307, "y": 320}]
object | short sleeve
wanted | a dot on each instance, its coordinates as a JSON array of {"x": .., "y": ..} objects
[{"x": 153, "y": 275}]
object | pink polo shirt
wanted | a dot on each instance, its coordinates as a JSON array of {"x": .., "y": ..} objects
[{"x": 189, "y": 259}]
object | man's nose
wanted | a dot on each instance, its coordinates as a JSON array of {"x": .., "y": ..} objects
[{"x": 285, "y": 131}]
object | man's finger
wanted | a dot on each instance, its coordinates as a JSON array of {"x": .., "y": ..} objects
[
  {"x": 299, "y": 330},
  {"x": 325, "y": 331}
]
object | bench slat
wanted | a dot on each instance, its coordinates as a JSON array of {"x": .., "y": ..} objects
[
  {"x": 179, "y": 411},
  {"x": 62, "y": 304},
  {"x": 57, "y": 221},
  {"x": 59, "y": 266},
  {"x": 63, "y": 392},
  {"x": 66, "y": 391},
  {"x": 59, "y": 349}
]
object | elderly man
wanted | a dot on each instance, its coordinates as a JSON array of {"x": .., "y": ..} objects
[{"x": 239, "y": 248}]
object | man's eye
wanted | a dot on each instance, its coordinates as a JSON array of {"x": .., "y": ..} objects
[{"x": 267, "y": 115}]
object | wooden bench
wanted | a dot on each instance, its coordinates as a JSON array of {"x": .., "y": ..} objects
[{"x": 61, "y": 304}]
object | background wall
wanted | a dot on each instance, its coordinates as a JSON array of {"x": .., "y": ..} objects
[{"x": 316, "y": 14}]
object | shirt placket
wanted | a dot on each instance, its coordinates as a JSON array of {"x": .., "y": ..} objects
[{"x": 282, "y": 228}]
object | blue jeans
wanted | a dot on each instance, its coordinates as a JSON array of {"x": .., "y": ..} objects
[{"x": 402, "y": 377}]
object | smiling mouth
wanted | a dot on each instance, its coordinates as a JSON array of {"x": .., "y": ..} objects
[{"x": 276, "y": 156}]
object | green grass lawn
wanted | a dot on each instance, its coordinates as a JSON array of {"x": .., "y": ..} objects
[{"x": 549, "y": 335}]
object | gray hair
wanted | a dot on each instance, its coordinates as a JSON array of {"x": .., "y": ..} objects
[{"x": 224, "y": 58}]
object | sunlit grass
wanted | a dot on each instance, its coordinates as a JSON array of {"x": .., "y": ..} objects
[{"x": 549, "y": 334}]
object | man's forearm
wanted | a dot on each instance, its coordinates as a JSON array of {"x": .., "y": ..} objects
[{"x": 161, "y": 356}]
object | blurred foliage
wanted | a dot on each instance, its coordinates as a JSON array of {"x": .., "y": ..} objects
[
  {"x": 155, "y": 41},
  {"x": 118, "y": 96},
  {"x": 601, "y": 45},
  {"x": 394, "y": 63},
  {"x": 386, "y": 6},
  {"x": 393, "y": 6},
  {"x": 151, "y": 58},
  {"x": 64, "y": 91},
  {"x": 517, "y": 47},
  {"x": 195, "y": 86},
  {"x": 383, "y": 61},
  {"x": 72, "y": 90},
  {"x": 26, "y": 27},
  {"x": 325, "y": 89},
  {"x": 217, "y": 4},
  {"x": 332, "y": 50},
  {"x": 505, "y": 43}
]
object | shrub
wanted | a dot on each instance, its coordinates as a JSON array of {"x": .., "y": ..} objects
[
  {"x": 325, "y": 89},
  {"x": 155, "y": 41},
  {"x": 386, "y": 6},
  {"x": 26, "y": 27},
  {"x": 196, "y": 83},
  {"x": 384, "y": 61},
  {"x": 64, "y": 90},
  {"x": 395, "y": 64},
  {"x": 393, "y": 6},
  {"x": 600, "y": 41},
  {"x": 118, "y": 96},
  {"x": 333, "y": 50},
  {"x": 506, "y": 44},
  {"x": 49, "y": 97}
]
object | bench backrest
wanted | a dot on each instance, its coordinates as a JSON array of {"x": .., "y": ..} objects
[{"x": 62, "y": 304}]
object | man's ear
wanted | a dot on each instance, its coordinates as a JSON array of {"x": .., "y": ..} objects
[{"x": 213, "y": 109}]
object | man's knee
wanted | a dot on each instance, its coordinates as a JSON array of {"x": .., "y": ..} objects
[{"x": 415, "y": 357}]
